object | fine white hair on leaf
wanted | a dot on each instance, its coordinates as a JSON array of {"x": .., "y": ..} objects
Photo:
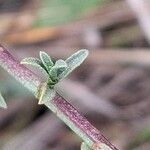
[
  {"x": 74, "y": 61},
  {"x": 46, "y": 60},
  {"x": 35, "y": 62},
  {"x": 58, "y": 68}
]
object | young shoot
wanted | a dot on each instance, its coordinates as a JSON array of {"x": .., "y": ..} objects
[{"x": 54, "y": 72}]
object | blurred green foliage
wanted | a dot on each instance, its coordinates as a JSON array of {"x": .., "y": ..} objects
[
  {"x": 12, "y": 89},
  {"x": 56, "y": 12},
  {"x": 141, "y": 137}
]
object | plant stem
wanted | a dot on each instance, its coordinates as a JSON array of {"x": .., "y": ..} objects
[{"x": 63, "y": 109}]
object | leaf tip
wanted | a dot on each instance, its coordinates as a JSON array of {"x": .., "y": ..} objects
[
  {"x": 42, "y": 53},
  {"x": 2, "y": 102},
  {"x": 85, "y": 51},
  {"x": 4, "y": 106}
]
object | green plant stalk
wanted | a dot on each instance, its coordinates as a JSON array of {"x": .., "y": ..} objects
[{"x": 64, "y": 110}]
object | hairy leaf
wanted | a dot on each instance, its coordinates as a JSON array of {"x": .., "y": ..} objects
[
  {"x": 57, "y": 69},
  {"x": 35, "y": 62},
  {"x": 74, "y": 61},
  {"x": 46, "y": 60},
  {"x": 2, "y": 102}
]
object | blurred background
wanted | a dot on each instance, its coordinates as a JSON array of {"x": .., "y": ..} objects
[{"x": 111, "y": 88}]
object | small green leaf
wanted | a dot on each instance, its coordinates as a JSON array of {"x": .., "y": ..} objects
[
  {"x": 35, "y": 62},
  {"x": 74, "y": 61},
  {"x": 2, "y": 102},
  {"x": 46, "y": 60},
  {"x": 57, "y": 69}
]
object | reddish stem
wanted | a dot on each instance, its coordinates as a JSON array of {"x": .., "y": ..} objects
[
  {"x": 81, "y": 122},
  {"x": 64, "y": 110}
]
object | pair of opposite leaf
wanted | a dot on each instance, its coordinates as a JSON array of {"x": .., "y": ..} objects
[{"x": 54, "y": 72}]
